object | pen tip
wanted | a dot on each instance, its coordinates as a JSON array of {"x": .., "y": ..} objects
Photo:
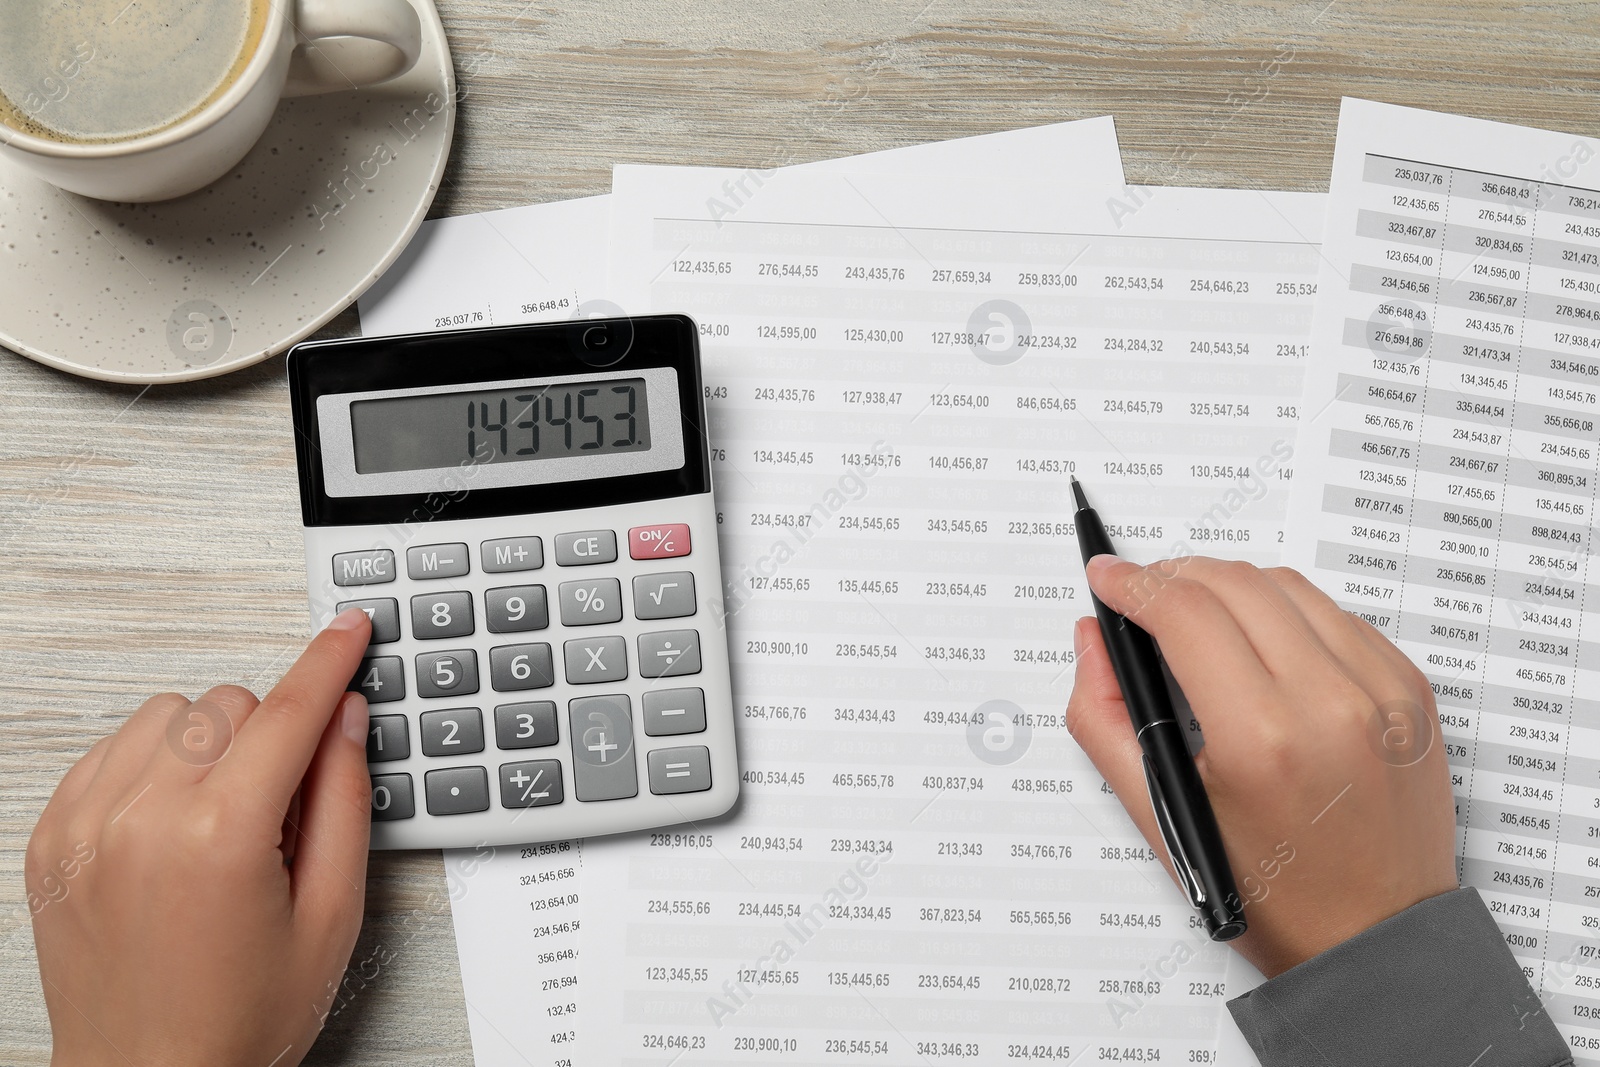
[{"x": 1077, "y": 494}]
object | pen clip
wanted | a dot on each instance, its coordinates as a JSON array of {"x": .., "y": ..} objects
[{"x": 1180, "y": 859}]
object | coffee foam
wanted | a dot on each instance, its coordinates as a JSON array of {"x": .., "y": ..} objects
[{"x": 94, "y": 71}]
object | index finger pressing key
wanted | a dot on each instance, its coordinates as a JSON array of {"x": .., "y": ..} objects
[{"x": 275, "y": 745}]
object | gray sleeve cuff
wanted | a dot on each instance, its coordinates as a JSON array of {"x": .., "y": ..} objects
[{"x": 1435, "y": 984}]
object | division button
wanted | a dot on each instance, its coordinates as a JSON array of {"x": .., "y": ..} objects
[
  {"x": 436, "y": 561},
  {"x": 457, "y": 790},
  {"x": 379, "y": 679},
  {"x": 392, "y": 798},
  {"x": 512, "y": 554},
  {"x": 596, "y": 659},
  {"x": 385, "y": 616},
  {"x": 663, "y": 596},
  {"x": 387, "y": 738},
  {"x": 603, "y": 766},
  {"x": 658, "y": 542},
  {"x": 534, "y": 784},
  {"x": 583, "y": 549},
  {"x": 669, "y": 653},
  {"x": 373, "y": 567},
  {"x": 674, "y": 711},
  {"x": 680, "y": 770}
]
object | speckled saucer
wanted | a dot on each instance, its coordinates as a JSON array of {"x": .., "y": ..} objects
[{"x": 244, "y": 268}]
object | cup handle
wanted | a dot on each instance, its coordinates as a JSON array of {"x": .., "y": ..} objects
[{"x": 351, "y": 44}]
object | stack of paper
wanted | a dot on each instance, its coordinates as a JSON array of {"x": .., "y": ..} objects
[{"x": 906, "y": 356}]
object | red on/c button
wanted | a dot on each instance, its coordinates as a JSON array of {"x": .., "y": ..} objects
[{"x": 658, "y": 542}]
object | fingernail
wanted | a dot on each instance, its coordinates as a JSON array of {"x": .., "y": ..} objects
[
  {"x": 353, "y": 720},
  {"x": 1099, "y": 563},
  {"x": 1077, "y": 639},
  {"x": 348, "y": 619}
]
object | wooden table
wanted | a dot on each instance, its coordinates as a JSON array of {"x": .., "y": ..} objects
[{"x": 149, "y": 564}]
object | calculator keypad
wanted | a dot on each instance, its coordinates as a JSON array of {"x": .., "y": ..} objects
[
  {"x": 599, "y": 731},
  {"x": 447, "y": 674},
  {"x": 516, "y": 609},
  {"x": 385, "y": 616},
  {"x": 454, "y": 732}
]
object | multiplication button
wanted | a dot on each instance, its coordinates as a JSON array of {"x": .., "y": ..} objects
[
  {"x": 603, "y": 766},
  {"x": 680, "y": 770},
  {"x": 512, "y": 554},
  {"x": 534, "y": 784},
  {"x": 596, "y": 659},
  {"x": 457, "y": 790}
]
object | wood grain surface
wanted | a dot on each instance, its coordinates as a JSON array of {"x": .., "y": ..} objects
[{"x": 150, "y": 540}]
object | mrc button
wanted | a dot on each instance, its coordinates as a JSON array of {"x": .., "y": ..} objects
[
  {"x": 658, "y": 542},
  {"x": 373, "y": 567}
]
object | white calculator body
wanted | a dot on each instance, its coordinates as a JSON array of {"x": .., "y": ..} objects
[{"x": 526, "y": 515}]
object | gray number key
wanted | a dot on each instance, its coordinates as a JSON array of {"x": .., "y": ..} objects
[
  {"x": 534, "y": 784},
  {"x": 512, "y": 554},
  {"x": 596, "y": 659},
  {"x": 437, "y": 561},
  {"x": 592, "y": 602},
  {"x": 582, "y": 549},
  {"x": 454, "y": 732},
  {"x": 447, "y": 674},
  {"x": 514, "y": 609},
  {"x": 441, "y": 615},
  {"x": 385, "y": 616},
  {"x": 603, "y": 766},
  {"x": 379, "y": 679},
  {"x": 669, "y": 653},
  {"x": 457, "y": 790},
  {"x": 674, "y": 711},
  {"x": 392, "y": 798},
  {"x": 663, "y": 596},
  {"x": 387, "y": 738},
  {"x": 515, "y": 667},
  {"x": 680, "y": 770},
  {"x": 374, "y": 567},
  {"x": 531, "y": 725}
]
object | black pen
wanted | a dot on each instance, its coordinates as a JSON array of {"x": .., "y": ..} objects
[{"x": 1183, "y": 811}]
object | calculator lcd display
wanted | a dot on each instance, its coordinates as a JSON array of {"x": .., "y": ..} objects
[{"x": 532, "y": 422}]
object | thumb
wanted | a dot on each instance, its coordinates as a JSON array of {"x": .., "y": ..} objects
[
  {"x": 330, "y": 857},
  {"x": 1098, "y": 720}
]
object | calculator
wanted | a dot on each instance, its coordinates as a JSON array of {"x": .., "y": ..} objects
[{"x": 525, "y": 514}]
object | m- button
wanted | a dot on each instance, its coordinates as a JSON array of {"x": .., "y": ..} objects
[
  {"x": 436, "y": 561},
  {"x": 658, "y": 542}
]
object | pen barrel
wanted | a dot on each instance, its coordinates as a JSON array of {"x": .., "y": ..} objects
[{"x": 1194, "y": 824}]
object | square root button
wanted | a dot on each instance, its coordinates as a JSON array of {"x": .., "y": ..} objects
[
  {"x": 680, "y": 770},
  {"x": 659, "y": 542}
]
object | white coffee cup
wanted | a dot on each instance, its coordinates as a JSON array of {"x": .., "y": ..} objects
[{"x": 306, "y": 47}]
